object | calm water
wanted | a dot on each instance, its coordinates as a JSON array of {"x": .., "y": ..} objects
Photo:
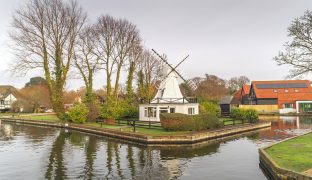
[{"x": 30, "y": 152}]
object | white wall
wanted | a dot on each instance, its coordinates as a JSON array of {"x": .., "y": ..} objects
[
  {"x": 179, "y": 108},
  {"x": 287, "y": 110},
  {"x": 8, "y": 101}
]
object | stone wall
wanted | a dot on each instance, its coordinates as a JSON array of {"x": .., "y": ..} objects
[
  {"x": 273, "y": 171},
  {"x": 188, "y": 138}
]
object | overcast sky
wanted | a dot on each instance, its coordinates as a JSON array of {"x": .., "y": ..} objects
[{"x": 223, "y": 37}]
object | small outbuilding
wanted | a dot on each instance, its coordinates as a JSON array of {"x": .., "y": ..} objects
[{"x": 225, "y": 105}]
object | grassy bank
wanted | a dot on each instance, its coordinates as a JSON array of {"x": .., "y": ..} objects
[
  {"x": 294, "y": 154},
  {"x": 124, "y": 128}
]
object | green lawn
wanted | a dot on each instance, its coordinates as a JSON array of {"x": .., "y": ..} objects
[
  {"x": 294, "y": 154},
  {"x": 123, "y": 127},
  {"x": 146, "y": 131},
  {"x": 49, "y": 117}
]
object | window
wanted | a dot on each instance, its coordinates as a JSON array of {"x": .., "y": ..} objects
[
  {"x": 163, "y": 110},
  {"x": 288, "y": 105},
  {"x": 2, "y": 102},
  {"x": 286, "y": 90},
  {"x": 172, "y": 110},
  {"x": 150, "y": 112},
  {"x": 275, "y": 90},
  {"x": 191, "y": 111},
  {"x": 296, "y": 90}
]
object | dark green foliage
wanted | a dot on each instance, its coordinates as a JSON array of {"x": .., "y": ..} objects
[
  {"x": 183, "y": 122},
  {"x": 250, "y": 115},
  {"x": 120, "y": 109},
  {"x": 64, "y": 117},
  {"x": 78, "y": 113}
]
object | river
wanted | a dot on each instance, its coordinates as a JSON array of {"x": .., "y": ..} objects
[{"x": 32, "y": 152}]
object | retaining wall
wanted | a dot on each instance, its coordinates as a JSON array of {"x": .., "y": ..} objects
[
  {"x": 274, "y": 171},
  {"x": 189, "y": 138}
]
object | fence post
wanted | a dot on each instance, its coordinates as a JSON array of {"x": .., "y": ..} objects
[
  {"x": 118, "y": 121},
  {"x": 149, "y": 123},
  {"x": 133, "y": 125}
]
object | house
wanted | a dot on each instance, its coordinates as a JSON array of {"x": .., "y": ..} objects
[
  {"x": 286, "y": 95},
  {"x": 168, "y": 99},
  {"x": 8, "y": 95},
  {"x": 241, "y": 96}
]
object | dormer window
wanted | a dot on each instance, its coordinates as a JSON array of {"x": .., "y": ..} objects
[
  {"x": 275, "y": 90},
  {"x": 286, "y": 90},
  {"x": 296, "y": 90}
]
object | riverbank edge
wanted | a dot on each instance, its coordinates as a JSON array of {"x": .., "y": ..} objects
[
  {"x": 287, "y": 114},
  {"x": 191, "y": 138},
  {"x": 273, "y": 170}
]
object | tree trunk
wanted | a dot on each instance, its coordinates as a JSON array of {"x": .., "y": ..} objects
[{"x": 130, "y": 81}]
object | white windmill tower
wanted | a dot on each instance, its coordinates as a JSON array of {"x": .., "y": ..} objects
[{"x": 169, "y": 98}]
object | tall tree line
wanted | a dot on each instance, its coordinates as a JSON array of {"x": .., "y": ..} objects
[{"x": 55, "y": 36}]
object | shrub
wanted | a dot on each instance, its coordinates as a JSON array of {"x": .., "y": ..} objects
[
  {"x": 207, "y": 107},
  {"x": 122, "y": 109},
  {"x": 183, "y": 122},
  {"x": 78, "y": 113},
  {"x": 250, "y": 115}
]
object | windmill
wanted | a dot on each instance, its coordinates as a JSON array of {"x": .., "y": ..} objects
[
  {"x": 190, "y": 83},
  {"x": 169, "y": 98}
]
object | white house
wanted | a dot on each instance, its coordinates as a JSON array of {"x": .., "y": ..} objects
[
  {"x": 7, "y": 97},
  {"x": 168, "y": 99}
]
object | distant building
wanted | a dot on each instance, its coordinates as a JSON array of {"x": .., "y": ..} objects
[
  {"x": 288, "y": 95},
  {"x": 168, "y": 99},
  {"x": 8, "y": 95}
]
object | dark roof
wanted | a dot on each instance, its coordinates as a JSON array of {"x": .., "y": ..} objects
[{"x": 226, "y": 100}]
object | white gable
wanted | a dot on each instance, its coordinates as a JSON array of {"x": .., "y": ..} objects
[
  {"x": 10, "y": 98},
  {"x": 169, "y": 90}
]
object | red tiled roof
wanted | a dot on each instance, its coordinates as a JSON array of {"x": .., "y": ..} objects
[
  {"x": 269, "y": 92},
  {"x": 238, "y": 94},
  {"x": 291, "y": 97},
  {"x": 246, "y": 89}
]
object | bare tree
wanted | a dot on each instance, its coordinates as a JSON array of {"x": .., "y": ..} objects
[
  {"x": 133, "y": 60},
  {"x": 236, "y": 83},
  {"x": 128, "y": 39},
  {"x": 86, "y": 60},
  {"x": 148, "y": 73},
  {"x": 298, "y": 52},
  {"x": 118, "y": 40},
  {"x": 45, "y": 34},
  {"x": 106, "y": 48}
]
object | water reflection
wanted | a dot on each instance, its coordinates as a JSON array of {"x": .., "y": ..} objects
[{"x": 58, "y": 154}]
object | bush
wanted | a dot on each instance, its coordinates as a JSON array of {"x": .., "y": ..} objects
[
  {"x": 250, "y": 115},
  {"x": 78, "y": 113},
  {"x": 207, "y": 107},
  {"x": 121, "y": 110},
  {"x": 183, "y": 122}
]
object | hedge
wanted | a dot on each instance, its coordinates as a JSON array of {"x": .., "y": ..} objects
[
  {"x": 250, "y": 115},
  {"x": 183, "y": 122},
  {"x": 78, "y": 113}
]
